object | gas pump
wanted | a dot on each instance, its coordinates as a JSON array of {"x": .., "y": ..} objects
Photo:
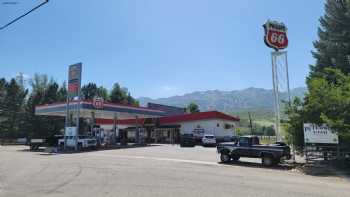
[{"x": 98, "y": 133}]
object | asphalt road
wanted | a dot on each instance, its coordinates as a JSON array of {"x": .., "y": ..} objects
[{"x": 152, "y": 171}]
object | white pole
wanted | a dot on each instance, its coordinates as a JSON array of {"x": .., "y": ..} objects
[
  {"x": 66, "y": 122},
  {"x": 115, "y": 127},
  {"x": 78, "y": 117},
  {"x": 78, "y": 113},
  {"x": 287, "y": 71},
  {"x": 275, "y": 92}
]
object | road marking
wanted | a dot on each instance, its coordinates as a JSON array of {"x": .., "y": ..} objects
[{"x": 160, "y": 159}]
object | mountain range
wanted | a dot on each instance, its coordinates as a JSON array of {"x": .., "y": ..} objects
[{"x": 227, "y": 101}]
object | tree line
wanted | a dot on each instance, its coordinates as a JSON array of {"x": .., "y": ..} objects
[
  {"x": 328, "y": 83},
  {"x": 17, "y": 104}
]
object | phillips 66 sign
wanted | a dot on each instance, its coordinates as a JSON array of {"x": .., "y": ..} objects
[
  {"x": 98, "y": 103},
  {"x": 275, "y": 35}
]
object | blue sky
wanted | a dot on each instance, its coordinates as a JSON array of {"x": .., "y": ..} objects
[{"x": 158, "y": 48}]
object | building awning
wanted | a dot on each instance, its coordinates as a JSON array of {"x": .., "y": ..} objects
[{"x": 108, "y": 111}]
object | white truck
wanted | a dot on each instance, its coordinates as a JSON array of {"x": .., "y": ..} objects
[
  {"x": 71, "y": 137},
  {"x": 84, "y": 142}
]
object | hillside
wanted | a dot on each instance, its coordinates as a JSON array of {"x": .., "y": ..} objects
[{"x": 259, "y": 101}]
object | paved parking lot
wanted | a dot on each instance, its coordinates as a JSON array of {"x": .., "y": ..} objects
[{"x": 163, "y": 170}]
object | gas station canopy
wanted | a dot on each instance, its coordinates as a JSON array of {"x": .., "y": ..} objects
[{"x": 105, "y": 111}]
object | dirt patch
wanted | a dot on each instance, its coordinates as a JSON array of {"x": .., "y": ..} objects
[{"x": 322, "y": 169}]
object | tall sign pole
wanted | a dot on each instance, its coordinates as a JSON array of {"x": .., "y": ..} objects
[
  {"x": 276, "y": 38},
  {"x": 74, "y": 84},
  {"x": 275, "y": 97},
  {"x": 66, "y": 124}
]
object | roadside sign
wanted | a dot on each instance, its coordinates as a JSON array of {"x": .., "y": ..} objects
[
  {"x": 74, "y": 80},
  {"x": 319, "y": 134},
  {"x": 275, "y": 35}
]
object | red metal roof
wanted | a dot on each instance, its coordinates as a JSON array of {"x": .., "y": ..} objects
[
  {"x": 175, "y": 119},
  {"x": 197, "y": 116},
  {"x": 90, "y": 102}
]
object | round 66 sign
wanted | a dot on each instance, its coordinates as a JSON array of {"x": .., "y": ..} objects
[
  {"x": 98, "y": 103},
  {"x": 275, "y": 35}
]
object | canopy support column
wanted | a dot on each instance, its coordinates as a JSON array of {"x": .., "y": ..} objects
[
  {"x": 115, "y": 128},
  {"x": 137, "y": 133}
]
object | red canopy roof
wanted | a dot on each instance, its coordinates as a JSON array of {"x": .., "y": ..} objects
[{"x": 176, "y": 119}]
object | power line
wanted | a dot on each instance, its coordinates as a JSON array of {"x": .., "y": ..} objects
[{"x": 23, "y": 15}]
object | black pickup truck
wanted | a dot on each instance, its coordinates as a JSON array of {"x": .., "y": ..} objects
[{"x": 249, "y": 146}]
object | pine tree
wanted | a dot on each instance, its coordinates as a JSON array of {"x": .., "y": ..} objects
[
  {"x": 333, "y": 46},
  {"x": 12, "y": 109},
  {"x": 2, "y": 92},
  {"x": 62, "y": 93},
  {"x": 121, "y": 95},
  {"x": 328, "y": 83},
  {"x": 118, "y": 94},
  {"x": 130, "y": 99},
  {"x": 2, "y": 104},
  {"x": 51, "y": 93},
  {"x": 89, "y": 91},
  {"x": 102, "y": 92}
]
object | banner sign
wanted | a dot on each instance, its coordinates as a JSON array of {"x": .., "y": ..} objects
[
  {"x": 275, "y": 35},
  {"x": 319, "y": 134},
  {"x": 74, "y": 79}
]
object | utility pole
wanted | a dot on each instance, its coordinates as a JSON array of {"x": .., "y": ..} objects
[
  {"x": 290, "y": 103},
  {"x": 251, "y": 124},
  {"x": 23, "y": 15}
]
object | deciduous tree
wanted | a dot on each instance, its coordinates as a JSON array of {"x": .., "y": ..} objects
[{"x": 192, "y": 108}]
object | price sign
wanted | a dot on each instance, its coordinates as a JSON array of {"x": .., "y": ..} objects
[{"x": 74, "y": 80}]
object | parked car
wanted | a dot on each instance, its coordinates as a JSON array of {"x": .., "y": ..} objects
[
  {"x": 208, "y": 140},
  {"x": 249, "y": 146},
  {"x": 187, "y": 140}
]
